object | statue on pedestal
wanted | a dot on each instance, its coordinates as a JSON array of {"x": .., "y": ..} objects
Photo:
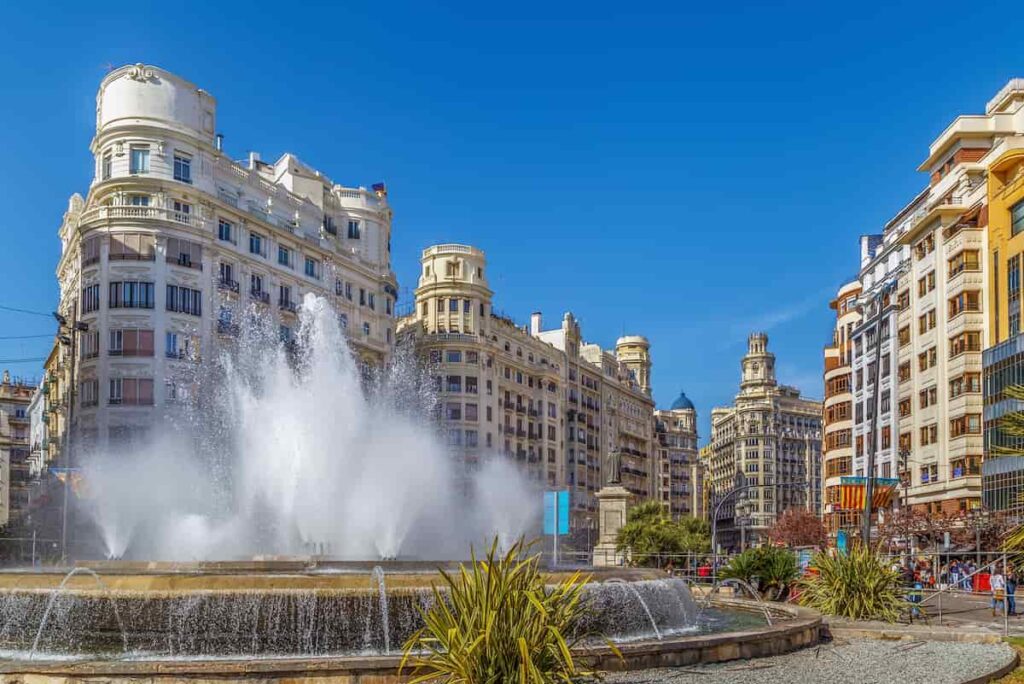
[{"x": 614, "y": 468}]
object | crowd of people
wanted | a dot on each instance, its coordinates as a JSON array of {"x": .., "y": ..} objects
[{"x": 995, "y": 579}]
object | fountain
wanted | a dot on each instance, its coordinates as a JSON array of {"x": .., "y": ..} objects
[{"x": 285, "y": 451}]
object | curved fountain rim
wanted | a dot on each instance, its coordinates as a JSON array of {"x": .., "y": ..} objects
[{"x": 799, "y": 620}]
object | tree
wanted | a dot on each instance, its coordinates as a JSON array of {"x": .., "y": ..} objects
[
  {"x": 650, "y": 534},
  {"x": 798, "y": 527}
]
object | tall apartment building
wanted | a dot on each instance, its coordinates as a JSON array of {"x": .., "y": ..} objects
[
  {"x": 875, "y": 365},
  {"x": 556, "y": 405},
  {"x": 769, "y": 440},
  {"x": 837, "y": 419},
  {"x": 681, "y": 477},
  {"x": 174, "y": 243},
  {"x": 944, "y": 299},
  {"x": 1003, "y": 361},
  {"x": 15, "y": 447}
]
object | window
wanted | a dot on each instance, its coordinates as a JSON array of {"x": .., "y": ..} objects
[
  {"x": 471, "y": 384},
  {"x": 139, "y": 161},
  {"x": 453, "y": 305},
  {"x": 184, "y": 300},
  {"x": 132, "y": 247},
  {"x": 225, "y": 231},
  {"x": 471, "y": 436},
  {"x": 131, "y": 391},
  {"x": 968, "y": 300},
  {"x": 106, "y": 166},
  {"x": 227, "y": 275},
  {"x": 926, "y": 321},
  {"x": 185, "y": 253},
  {"x": 312, "y": 268},
  {"x": 966, "y": 466},
  {"x": 926, "y": 284},
  {"x": 1013, "y": 293},
  {"x": 968, "y": 424},
  {"x": 903, "y": 373},
  {"x": 905, "y": 407},
  {"x": 353, "y": 230},
  {"x": 348, "y": 291},
  {"x": 90, "y": 298},
  {"x": 965, "y": 260},
  {"x": 927, "y": 359},
  {"x": 472, "y": 412},
  {"x": 362, "y": 297},
  {"x": 89, "y": 345},
  {"x": 130, "y": 294},
  {"x": 130, "y": 342},
  {"x": 257, "y": 244},
  {"x": 256, "y": 284},
  {"x": 454, "y": 383},
  {"x": 366, "y": 329},
  {"x": 138, "y": 200},
  {"x": 925, "y": 246},
  {"x": 387, "y": 305},
  {"x": 968, "y": 383},
  {"x": 1017, "y": 218},
  {"x": 902, "y": 301},
  {"x": 343, "y": 321},
  {"x": 904, "y": 335},
  {"x": 182, "y": 167},
  {"x": 453, "y": 356},
  {"x": 964, "y": 342},
  {"x": 88, "y": 392},
  {"x": 284, "y": 256},
  {"x": 928, "y": 397},
  {"x": 372, "y": 302},
  {"x": 929, "y": 434},
  {"x": 284, "y": 296},
  {"x": 329, "y": 225}
]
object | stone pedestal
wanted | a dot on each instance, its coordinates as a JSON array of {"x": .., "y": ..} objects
[{"x": 613, "y": 501}]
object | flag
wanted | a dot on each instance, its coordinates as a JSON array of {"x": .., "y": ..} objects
[{"x": 380, "y": 189}]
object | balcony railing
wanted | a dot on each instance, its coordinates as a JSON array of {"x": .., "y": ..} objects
[
  {"x": 185, "y": 261},
  {"x": 260, "y": 296},
  {"x": 285, "y": 305},
  {"x": 144, "y": 213},
  {"x": 228, "y": 284}
]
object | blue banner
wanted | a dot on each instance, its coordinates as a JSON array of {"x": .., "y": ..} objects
[{"x": 556, "y": 507}]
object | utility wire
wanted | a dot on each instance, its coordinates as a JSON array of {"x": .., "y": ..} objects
[
  {"x": 34, "y": 360},
  {"x": 25, "y": 337},
  {"x": 25, "y": 311}
]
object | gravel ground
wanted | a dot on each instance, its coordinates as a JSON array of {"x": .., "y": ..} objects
[{"x": 854, "y": 661}]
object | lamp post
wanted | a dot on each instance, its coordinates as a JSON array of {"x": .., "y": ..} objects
[
  {"x": 714, "y": 516},
  {"x": 67, "y": 334}
]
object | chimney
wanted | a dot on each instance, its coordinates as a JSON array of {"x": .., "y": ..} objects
[
  {"x": 535, "y": 323},
  {"x": 219, "y": 141},
  {"x": 254, "y": 157}
]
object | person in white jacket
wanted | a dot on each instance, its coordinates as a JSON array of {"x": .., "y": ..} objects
[{"x": 998, "y": 584}]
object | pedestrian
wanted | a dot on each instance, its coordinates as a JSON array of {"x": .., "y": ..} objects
[
  {"x": 1011, "y": 591},
  {"x": 954, "y": 574},
  {"x": 998, "y": 585}
]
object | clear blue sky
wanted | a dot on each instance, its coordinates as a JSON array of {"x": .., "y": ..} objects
[{"x": 687, "y": 174}]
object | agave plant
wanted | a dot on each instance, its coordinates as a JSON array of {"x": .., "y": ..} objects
[
  {"x": 495, "y": 621},
  {"x": 858, "y": 585}
]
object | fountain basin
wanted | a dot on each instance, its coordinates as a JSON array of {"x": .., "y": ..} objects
[
  {"x": 794, "y": 628},
  {"x": 327, "y": 619}
]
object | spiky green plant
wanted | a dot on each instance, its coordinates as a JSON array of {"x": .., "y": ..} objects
[
  {"x": 771, "y": 569},
  {"x": 859, "y": 585},
  {"x": 495, "y": 621}
]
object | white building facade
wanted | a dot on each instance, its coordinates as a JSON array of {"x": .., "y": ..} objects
[{"x": 175, "y": 242}]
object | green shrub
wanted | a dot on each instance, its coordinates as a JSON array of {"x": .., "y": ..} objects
[
  {"x": 858, "y": 585},
  {"x": 650, "y": 535},
  {"x": 497, "y": 622},
  {"x": 771, "y": 570}
]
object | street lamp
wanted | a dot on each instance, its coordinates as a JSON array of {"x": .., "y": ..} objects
[
  {"x": 68, "y": 336},
  {"x": 728, "y": 495}
]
